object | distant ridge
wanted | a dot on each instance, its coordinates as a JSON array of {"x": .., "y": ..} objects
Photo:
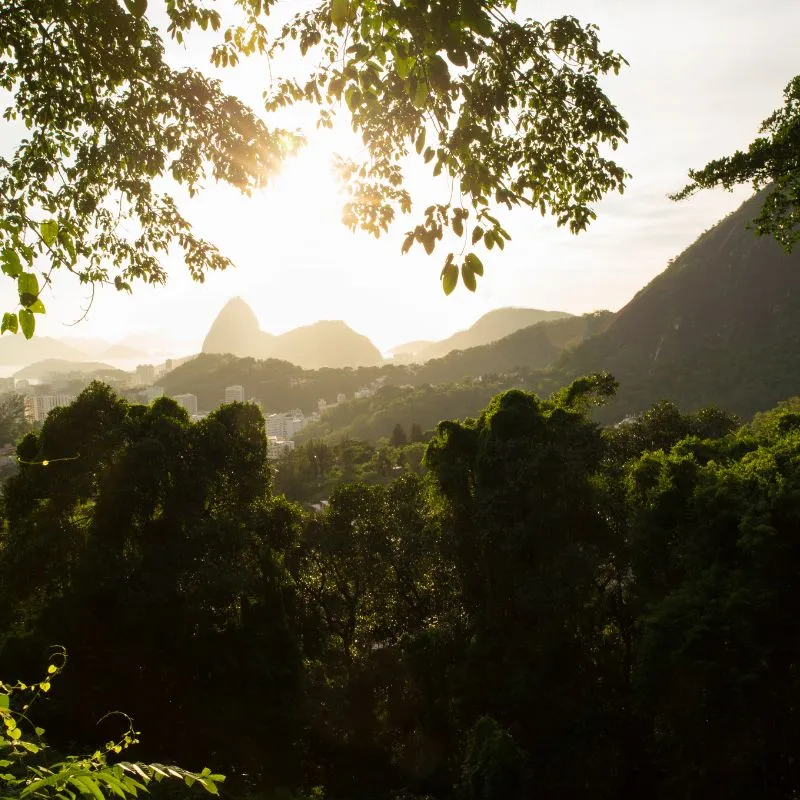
[
  {"x": 19, "y": 350},
  {"x": 721, "y": 325},
  {"x": 491, "y": 327},
  {"x": 49, "y": 367},
  {"x": 535, "y": 347},
  {"x": 322, "y": 344}
]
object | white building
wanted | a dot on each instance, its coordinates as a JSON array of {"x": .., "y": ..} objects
[
  {"x": 360, "y": 394},
  {"x": 278, "y": 448},
  {"x": 188, "y": 401},
  {"x": 324, "y": 406},
  {"x": 38, "y": 406},
  {"x": 285, "y": 425},
  {"x": 234, "y": 394},
  {"x": 152, "y": 393}
]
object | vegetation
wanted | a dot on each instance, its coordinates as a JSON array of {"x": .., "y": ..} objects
[
  {"x": 32, "y": 769},
  {"x": 12, "y": 417},
  {"x": 773, "y": 161},
  {"x": 547, "y": 606},
  {"x": 718, "y": 327},
  {"x": 312, "y": 471}
]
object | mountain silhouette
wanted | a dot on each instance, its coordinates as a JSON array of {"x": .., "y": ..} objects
[
  {"x": 491, "y": 327},
  {"x": 323, "y": 344}
]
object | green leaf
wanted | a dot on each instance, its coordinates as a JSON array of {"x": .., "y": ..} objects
[
  {"x": 403, "y": 66},
  {"x": 11, "y": 264},
  {"x": 37, "y": 307},
  {"x": 420, "y": 97},
  {"x": 69, "y": 246},
  {"x": 136, "y": 7},
  {"x": 27, "y": 322},
  {"x": 10, "y": 323},
  {"x": 468, "y": 276},
  {"x": 28, "y": 288},
  {"x": 477, "y": 233},
  {"x": 3, "y": 701},
  {"x": 449, "y": 275},
  {"x": 87, "y": 786},
  {"x": 457, "y": 57},
  {"x": 340, "y": 12},
  {"x": 474, "y": 263},
  {"x": 439, "y": 74},
  {"x": 49, "y": 231},
  {"x": 352, "y": 97}
]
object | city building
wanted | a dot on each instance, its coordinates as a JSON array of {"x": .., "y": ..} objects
[
  {"x": 324, "y": 406},
  {"x": 285, "y": 425},
  {"x": 278, "y": 448},
  {"x": 145, "y": 374},
  {"x": 360, "y": 394},
  {"x": 234, "y": 394},
  {"x": 152, "y": 393},
  {"x": 38, "y": 406},
  {"x": 188, "y": 401}
]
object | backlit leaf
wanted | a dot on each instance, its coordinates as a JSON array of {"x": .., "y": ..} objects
[
  {"x": 449, "y": 277},
  {"x": 475, "y": 265},
  {"x": 11, "y": 264},
  {"x": 10, "y": 323},
  {"x": 49, "y": 231},
  {"x": 27, "y": 322}
]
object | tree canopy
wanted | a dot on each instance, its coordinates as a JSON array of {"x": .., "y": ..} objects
[
  {"x": 509, "y": 110},
  {"x": 551, "y": 608},
  {"x": 772, "y": 160}
]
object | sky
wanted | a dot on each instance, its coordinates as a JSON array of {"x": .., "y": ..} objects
[{"x": 702, "y": 77}]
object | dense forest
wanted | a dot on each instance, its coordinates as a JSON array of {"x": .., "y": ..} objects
[{"x": 544, "y": 607}]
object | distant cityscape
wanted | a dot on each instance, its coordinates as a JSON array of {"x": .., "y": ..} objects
[{"x": 141, "y": 385}]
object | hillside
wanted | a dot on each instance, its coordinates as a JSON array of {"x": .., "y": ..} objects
[
  {"x": 278, "y": 385},
  {"x": 323, "y": 344},
  {"x": 52, "y": 367},
  {"x": 721, "y": 325},
  {"x": 489, "y": 328},
  {"x": 535, "y": 347}
]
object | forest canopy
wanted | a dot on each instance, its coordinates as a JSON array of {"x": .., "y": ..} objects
[{"x": 552, "y": 607}]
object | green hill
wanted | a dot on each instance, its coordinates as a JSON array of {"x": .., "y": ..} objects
[
  {"x": 534, "y": 347},
  {"x": 721, "y": 325}
]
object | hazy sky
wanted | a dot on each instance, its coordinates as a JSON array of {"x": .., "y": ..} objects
[{"x": 702, "y": 76}]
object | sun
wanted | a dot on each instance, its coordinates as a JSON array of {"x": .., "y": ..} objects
[{"x": 307, "y": 183}]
